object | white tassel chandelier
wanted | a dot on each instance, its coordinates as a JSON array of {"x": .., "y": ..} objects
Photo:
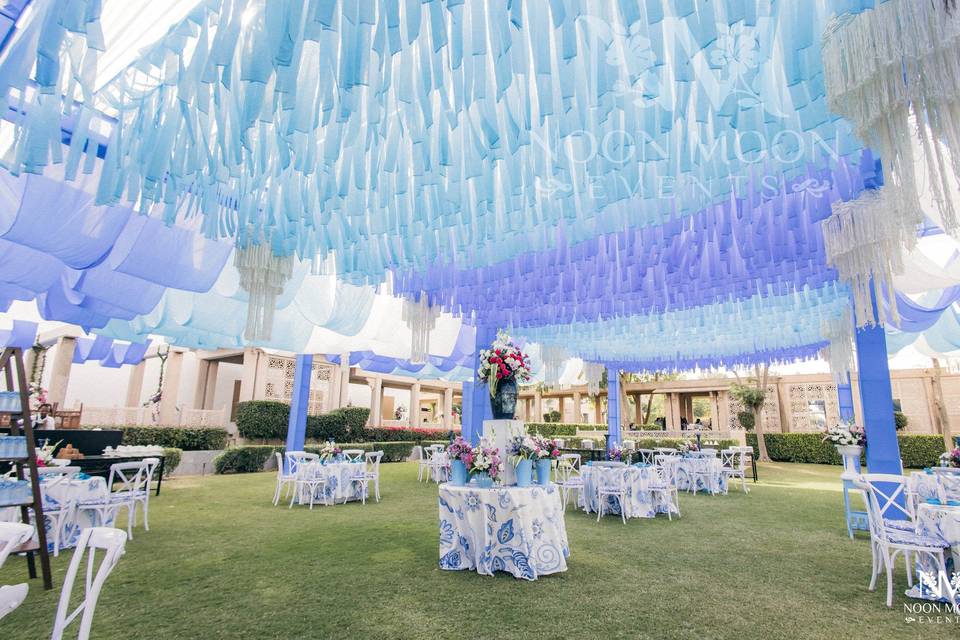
[
  {"x": 894, "y": 72},
  {"x": 839, "y": 353},
  {"x": 593, "y": 372},
  {"x": 865, "y": 241},
  {"x": 421, "y": 319},
  {"x": 263, "y": 276},
  {"x": 553, "y": 360}
]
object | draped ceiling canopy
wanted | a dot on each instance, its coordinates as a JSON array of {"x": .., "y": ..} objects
[{"x": 642, "y": 183}]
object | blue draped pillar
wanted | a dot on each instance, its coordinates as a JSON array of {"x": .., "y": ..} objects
[
  {"x": 613, "y": 407},
  {"x": 299, "y": 399},
  {"x": 845, "y": 400},
  {"x": 876, "y": 398},
  {"x": 476, "y": 395}
]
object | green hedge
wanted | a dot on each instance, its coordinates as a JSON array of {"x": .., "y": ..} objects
[
  {"x": 561, "y": 429},
  {"x": 185, "y": 438},
  {"x": 675, "y": 443},
  {"x": 252, "y": 458},
  {"x": 171, "y": 460},
  {"x": 268, "y": 420},
  {"x": 916, "y": 451}
]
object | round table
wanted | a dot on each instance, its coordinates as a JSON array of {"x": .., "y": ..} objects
[
  {"x": 513, "y": 529},
  {"x": 640, "y": 502},
  {"x": 927, "y": 485},
  {"x": 944, "y": 521},
  {"x": 339, "y": 485},
  {"x": 59, "y": 493}
]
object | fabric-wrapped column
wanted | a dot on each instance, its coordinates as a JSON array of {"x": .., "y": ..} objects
[{"x": 300, "y": 398}]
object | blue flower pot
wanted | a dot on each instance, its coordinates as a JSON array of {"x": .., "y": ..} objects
[
  {"x": 484, "y": 481},
  {"x": 524, "y": 473},
  {"x": 543, "y": 471},
  {"x": 458, "y": 473}
]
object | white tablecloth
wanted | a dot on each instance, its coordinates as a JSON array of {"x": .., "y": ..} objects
[
  {"x": 513, "y": 529},
  {"x": 56, "y": 494},
  {"x": 440, "y": 467},
  {"x": 339, "y": 485},
  {"x": 640, "y": 502},
  {"x": 713, "y": 480},
  {"x": 944, "y": 521}
]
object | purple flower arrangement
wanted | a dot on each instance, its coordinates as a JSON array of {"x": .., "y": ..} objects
[
  {"x": 484, "y": 459},
  {"x": 460, "y": 450},
  {"x": 951, "y": 458}
]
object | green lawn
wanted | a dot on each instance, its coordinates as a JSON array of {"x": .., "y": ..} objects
[{"x": 221, "y": 561}]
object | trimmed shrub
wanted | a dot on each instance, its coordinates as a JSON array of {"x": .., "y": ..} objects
[
  {"x": 916, "y": 451},
  {"x": 900, "y": 420},
  {"x": 185, "y": 438},
  {"x": 263, "y": 419},
  {"x": 247, "y": 459},
  {"x": 355, "y": 418},
  {"x": 561, "y": 429},
  {"x": 404, "y": 434},
  {"x": 171, "y": 460},
  {"x": 747, "y": 420},
  {"x": 655, "y": 443},
  {"x": 326, "y": 426}
]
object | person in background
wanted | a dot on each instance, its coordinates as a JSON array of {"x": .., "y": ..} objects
[{"x": 43, "y": 419}]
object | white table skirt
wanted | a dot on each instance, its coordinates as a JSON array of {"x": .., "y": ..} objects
[
  {"x": 517, "y": 530},
  {"x": 77, "y": 490},
  {"x": 713, "y": 481},
  {"x": 640, "y": 502},
  {"x": 339, "y": 486}
]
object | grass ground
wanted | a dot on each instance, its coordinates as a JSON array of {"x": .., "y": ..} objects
[{"x": 220, "y": 561}]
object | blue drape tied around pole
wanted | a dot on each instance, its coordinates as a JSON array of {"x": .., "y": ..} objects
[
  {"x": 613, "y": 407},
  {"x": 299, "y": 402}
]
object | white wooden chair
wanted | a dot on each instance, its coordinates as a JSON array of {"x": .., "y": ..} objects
[
  {"x": 892, "y": 530},
  {"x": 353, "y": 455},
  {"x": 109, "y": 540},
  {"x": 665, "y": 485},
  {"x": 133, "y": 480},
  {"x": 310, "y": 478},
  {"x": 426, "y": 461},
  {"x": 610, "y": 484},
  {"x": 284, "y": 480},
  {"x": 12, "y": 536},
  {"x": 734, "y": 463},
  {"x": 568, "y": 475},
  {"x": 645, "y": 455},
  {"x": 12, "y": 596},
  {"x": 370, "y": 471}
]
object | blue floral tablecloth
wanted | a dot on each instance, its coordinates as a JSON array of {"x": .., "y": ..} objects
[
  {"x": 706, "y": 473},
  {"x": 517, "y": 530},
  {"x": 943, "y": 521},
  {"x": 926, "y": 485},
  {"x": 57, "y": 494},
  {"x": 339, "y": 481},
  {"x": 641, "y": 502}
]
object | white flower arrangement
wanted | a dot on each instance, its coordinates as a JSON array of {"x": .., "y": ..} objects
[{"x": 845, "y": 434}]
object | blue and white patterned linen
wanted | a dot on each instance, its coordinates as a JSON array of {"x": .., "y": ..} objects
[
  {"x": 926, "y": 485},
  {"x": 713, "y": 481},
  {"x": 941, "y": 521},
  {"x": 513, "y": 529},
  {"x": 339, "y": 481},
  {"x": 77, "y": 490},
  {"x": 641, "y": 502}
]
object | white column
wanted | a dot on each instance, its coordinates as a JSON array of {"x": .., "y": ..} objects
[
  {"x": 376, "y": 395},
  {"x": 577, "y": 407},
  {"x": 210, "y": 391},
  {"x": 448, "y": 408},
  {"x": 248, "y": 380},
  {"x": 537, "y": 407},
  {"x": 135, "y": 384},
  {"x": 200, "y": 385},
  {"x": 344, "y": 380},
  {"x": 415, "y": 405},
  {"x": 171, "y": 389},
  {"x": 60, "y": 374}
]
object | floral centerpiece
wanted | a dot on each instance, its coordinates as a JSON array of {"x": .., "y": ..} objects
[
  {"x": 330, "y": 452},
  {"x": 690, "y": 446},
  {"x": 460, "y": 455},
  {"x": 950, "y": 458},
  {"x": 485, "y": 464},
  {"x": 845, "y": 434},
  {"x": 616, "y": 452},
  {"x": 502, "y": 366},
  {"x": 45, "y": 453},
  {"x": 545, "y": 452}
]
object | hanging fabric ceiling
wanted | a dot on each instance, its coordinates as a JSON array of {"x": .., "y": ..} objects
[{"x": 640, "y": 182}]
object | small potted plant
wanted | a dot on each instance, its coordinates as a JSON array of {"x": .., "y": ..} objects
[
  {"x": 522, "y": 451},
  {"x": 485, "y": 465},
  {"x": 545, "y": 453},
  {"x": 460, "y": 454}
]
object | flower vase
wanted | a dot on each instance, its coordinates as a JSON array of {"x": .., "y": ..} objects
[
  {"x": 504, "y": 400},
  {"x": 851, "y": 460},
  {"x": 458, "y": 473},
  {"x": 543, "y": 471},
  {"x": 484, "y": 481},
  {"x": 524, "y": 473}
]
